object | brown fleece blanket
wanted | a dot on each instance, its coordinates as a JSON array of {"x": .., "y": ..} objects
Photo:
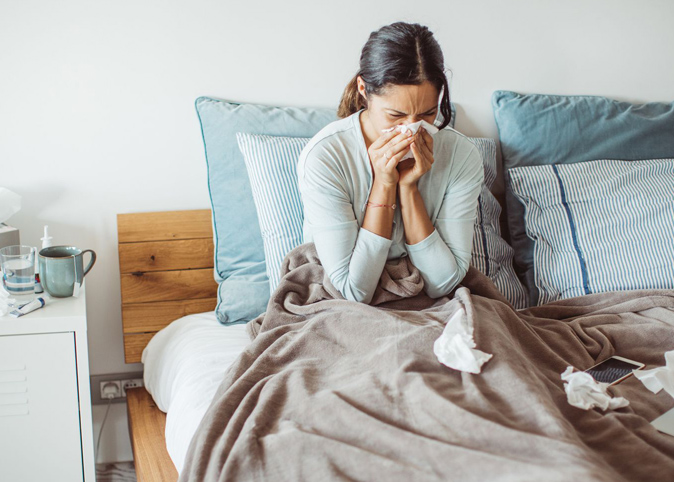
[{"x": 331, "y": 389}]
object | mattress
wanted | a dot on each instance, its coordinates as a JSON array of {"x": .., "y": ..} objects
[{"x": 184, "y": 364}]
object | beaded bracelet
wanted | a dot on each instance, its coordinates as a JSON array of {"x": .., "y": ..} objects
[{"x": 392, "y": 206}]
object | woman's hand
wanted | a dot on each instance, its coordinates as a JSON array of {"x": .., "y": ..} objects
[
  {"x": 386, "y": 152},
  {"x": 411, "y": 170}
]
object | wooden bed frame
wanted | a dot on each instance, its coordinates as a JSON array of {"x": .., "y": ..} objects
[{"x": 166, "y": 272}]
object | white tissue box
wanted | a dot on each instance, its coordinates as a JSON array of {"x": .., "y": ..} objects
[{"x": 9, "y": 236}]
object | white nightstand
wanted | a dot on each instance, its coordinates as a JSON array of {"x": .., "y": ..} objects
[{"x": 46, "y": 430}]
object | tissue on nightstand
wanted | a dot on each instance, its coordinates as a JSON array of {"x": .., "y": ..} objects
[
  {"x": 6, "y": 302},
  {"x": 10, "y": 203},
  {"x": 9, "y": 236}
]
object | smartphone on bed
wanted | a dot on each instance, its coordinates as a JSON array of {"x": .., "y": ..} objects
[{"x": 614, "y": 369}]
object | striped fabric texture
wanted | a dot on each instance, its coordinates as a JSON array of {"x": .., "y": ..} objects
[
  {"x": 271, "y": 163},
  {"x": 491, "y": 254},
  {"x": 598, "y": 226}
]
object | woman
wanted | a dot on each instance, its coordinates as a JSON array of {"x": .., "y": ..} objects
[{"x": 361, "y": 205}]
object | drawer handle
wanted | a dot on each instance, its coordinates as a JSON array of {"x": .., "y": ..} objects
[{"x": 13, "y": 410}]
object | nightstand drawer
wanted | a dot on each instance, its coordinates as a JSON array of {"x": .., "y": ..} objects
[{"x": 39, "y": 408}]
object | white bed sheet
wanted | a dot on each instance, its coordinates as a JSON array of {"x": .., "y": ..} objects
[{"x": 184, "y": 363}]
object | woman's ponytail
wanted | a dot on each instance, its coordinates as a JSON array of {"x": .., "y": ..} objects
[{"x": 351, "y": 101}]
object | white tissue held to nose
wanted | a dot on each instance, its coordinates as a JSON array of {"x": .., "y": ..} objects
[
  {"x": 414, "y": 127},
  {"x": 455, "y": 348},
  {"x": 583, "y": 391}
]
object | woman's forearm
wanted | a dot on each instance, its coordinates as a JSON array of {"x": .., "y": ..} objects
[
  {"x": 426, "y": 248},
  {"x": 379, "y": 220},
  {"x": 417, "y": 224}
]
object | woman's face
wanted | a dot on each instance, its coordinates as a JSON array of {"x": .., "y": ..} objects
[{"x": 402, "y": 104}]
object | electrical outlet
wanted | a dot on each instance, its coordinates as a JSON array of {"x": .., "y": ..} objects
[
  {"x": 131, "y": 383},
  {"x": 99, "y": 381},
  {"x": 113, "y": 387}
]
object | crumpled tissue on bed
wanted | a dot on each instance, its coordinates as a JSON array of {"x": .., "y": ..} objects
[
  {"x": 455, "y": 348},
  {"x": 583, "y": 391},
  {"x": 658, "y": 378},
  {"x": 414, "y": 127}
]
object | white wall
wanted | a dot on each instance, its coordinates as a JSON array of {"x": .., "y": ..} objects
[{"x": 96, "y": 97}]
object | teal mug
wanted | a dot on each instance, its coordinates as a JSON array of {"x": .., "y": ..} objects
[{"x": 61, "y": 269}]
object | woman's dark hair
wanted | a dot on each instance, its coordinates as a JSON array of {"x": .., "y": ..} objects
[{"x": 398, "y": 54}]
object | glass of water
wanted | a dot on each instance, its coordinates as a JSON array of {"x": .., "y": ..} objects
[{"x": 18, "y": 269}]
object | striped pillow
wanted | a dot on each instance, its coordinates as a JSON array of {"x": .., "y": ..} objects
[
  {"x": 598, "y": 226},
  {"x": 491, "y": 254},
  {"x": 271, "y": 164}
]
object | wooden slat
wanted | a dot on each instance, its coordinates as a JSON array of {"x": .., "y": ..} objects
[
  {"x": 146, "y": 426},
  {"x": 168, "y": 286},
  {"x": 146, "y": 317},
  {"x": 166, "y": 255},
  {"x": 166, "y": 271},
  {"x": 163, "y": 226},
  {"x": 134, "y": 344}
]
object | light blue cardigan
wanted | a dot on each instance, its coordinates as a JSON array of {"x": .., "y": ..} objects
[{"x": 335, "y": 180}]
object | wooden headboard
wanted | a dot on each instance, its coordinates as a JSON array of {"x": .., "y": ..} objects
[{"x": 166, "y": 272}]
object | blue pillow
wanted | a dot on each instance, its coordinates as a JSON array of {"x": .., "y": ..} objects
[
  {"x": 539, "y": 129},
  {"x": 271, "y": 163},
  {"x": 599, "y": 226},
  {"x": 240, "y": 266}
]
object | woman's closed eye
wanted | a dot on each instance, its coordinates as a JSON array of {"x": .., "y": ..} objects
[{"x": 397, "y": 116}]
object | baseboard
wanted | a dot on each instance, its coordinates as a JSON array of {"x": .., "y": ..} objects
[{"x": 115, "y": 441}]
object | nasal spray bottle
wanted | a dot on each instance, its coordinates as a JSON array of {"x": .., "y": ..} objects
[{"x": 46, "y": 242}]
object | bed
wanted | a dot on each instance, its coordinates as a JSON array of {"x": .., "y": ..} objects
[{"x": 512, "y": 421}]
